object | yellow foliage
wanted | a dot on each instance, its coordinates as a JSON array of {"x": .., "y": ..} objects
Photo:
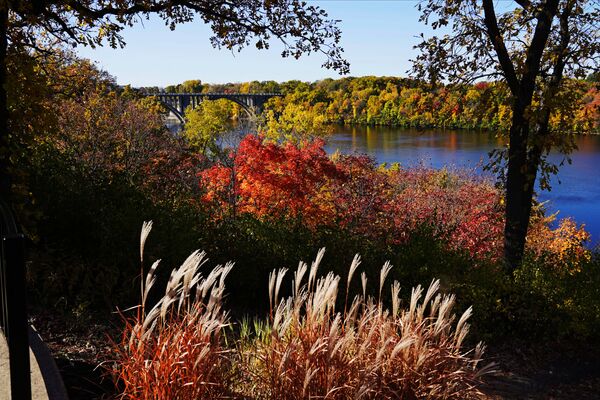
[
  {"x": 296, "y": 123},
  {"x": 562, "y": 248},
  {"x": 207, "y": 121}
]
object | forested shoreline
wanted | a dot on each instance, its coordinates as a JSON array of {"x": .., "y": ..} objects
[{"x": 403, "y": 102}]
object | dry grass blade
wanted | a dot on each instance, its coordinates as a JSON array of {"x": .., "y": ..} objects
[
  {"x": 363, "y": 279},
  {"x": 395, "y": 298}
]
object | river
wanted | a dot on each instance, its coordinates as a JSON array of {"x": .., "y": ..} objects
[{"x": 575, "y": 190}]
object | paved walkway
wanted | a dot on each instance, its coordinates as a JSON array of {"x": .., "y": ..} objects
[{"x": 46, "y": 382}]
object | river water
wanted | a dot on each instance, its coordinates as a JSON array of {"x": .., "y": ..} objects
[{"x": 575, "y": 190}]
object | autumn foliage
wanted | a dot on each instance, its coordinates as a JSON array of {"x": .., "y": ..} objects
[
  {"x": 308, "y": 107},
  {"x": 302, "y": 183},
  {"x": 272, "y": 181}
]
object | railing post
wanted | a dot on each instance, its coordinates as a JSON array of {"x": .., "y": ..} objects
[{"x": 14, "y": 305}]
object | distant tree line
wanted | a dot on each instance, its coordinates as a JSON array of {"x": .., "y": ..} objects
[{"x": 394, "y": 101}]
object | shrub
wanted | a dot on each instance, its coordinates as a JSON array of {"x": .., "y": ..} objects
[
  {"x": 300, "y": 183},
  {"x": 110, "y": 164}
]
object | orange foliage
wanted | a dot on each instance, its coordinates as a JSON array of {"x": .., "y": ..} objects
[
  {"x": 272, "y": 181},
  {"x": 350, "y": 192},
  {"x": 562, "y": 247}
]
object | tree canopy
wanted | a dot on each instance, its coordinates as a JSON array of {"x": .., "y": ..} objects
[
  {"x": 532, "y": 45},
  {"x": 41, "y": 26},
  {"x": 236, "y": 24}
]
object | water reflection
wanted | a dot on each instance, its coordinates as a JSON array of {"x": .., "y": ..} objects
[{"x": 575, "y": 191}]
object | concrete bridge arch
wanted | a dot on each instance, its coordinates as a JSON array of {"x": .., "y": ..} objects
[{"x": 177, "y": 103}]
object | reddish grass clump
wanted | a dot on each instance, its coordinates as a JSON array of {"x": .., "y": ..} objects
[
  {"x": 174, "y": 351},
  {"x": 367, "y": 351}
]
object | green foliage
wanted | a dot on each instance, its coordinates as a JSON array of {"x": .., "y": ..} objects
[
  {"x": 593, "y": 77},
  {"x": 190, "y": 86},
  {"x": 295, "y": 123},
  {"x": 572, "y": 299},
  {"x": 85, "y": 216}
]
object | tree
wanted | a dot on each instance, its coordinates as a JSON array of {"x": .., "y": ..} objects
[
  {"x": 534, "y": 46},
  {"x": 38, "y": 25},
  {"x": 295, "y": 122},
  {"x": 205, "y": 123}
]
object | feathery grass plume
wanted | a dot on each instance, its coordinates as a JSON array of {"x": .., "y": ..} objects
[
  {"x": 150, "y": 280},
  {"x": 298, "y": 275},
  {"x": 395, "y": 298},
  {"x": 314, "y": 267},
  {"x": 146, "y": 228},
  {"x": 175, "y": 351},
  {"x": 385, "y": 270},
  {"x": 367, "y": 352},
  {"x": 275, "y": 279},
  {"x": 355, "y": 263},
  {"x": 363, "y": 279},
  {"x": 280, "y": 275}
]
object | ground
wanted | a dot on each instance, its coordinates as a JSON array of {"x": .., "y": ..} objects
[{"x": 81, "y": 351}]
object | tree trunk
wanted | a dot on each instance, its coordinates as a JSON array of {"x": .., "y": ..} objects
[
  {"x": 520, "y": 182},
  {"x": 4, "y": 150}
]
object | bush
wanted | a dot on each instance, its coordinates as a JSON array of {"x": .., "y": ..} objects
[
  {"x": 367, "y": 351},
  {"x": 83, "y": 257}
]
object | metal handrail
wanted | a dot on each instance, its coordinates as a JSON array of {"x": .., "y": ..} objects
[{"x": 13, "y": 321}]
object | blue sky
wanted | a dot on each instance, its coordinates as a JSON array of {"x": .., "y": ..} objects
[{"x": 377, "y": 37}]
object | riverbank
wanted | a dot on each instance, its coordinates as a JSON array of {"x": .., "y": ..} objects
[{"x": 403, "y": 102}]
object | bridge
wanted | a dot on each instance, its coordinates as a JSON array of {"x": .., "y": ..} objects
[{"x": 177, "y": 103}]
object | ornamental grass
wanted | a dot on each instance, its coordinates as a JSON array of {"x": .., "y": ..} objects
[
  {"x": 315, "y": 343},
  {"x": 366, "y": 351},
  {"x": 175, "y": 350}
]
